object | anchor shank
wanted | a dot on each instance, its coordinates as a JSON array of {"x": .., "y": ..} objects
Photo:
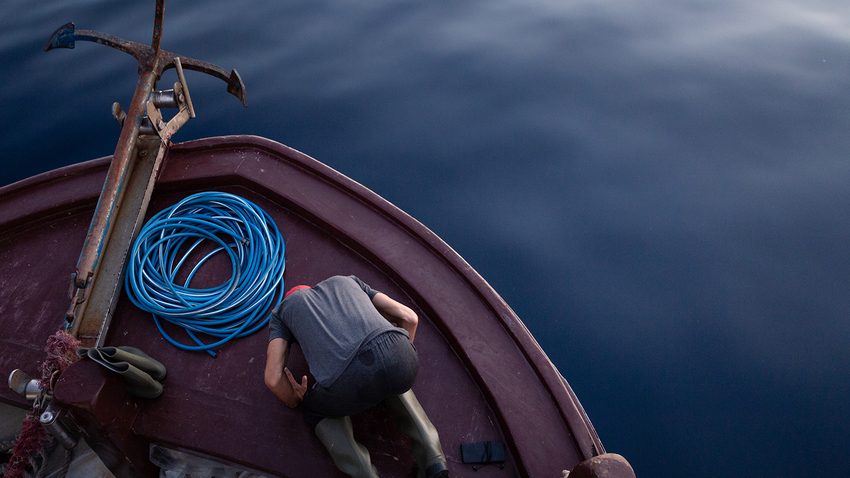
[{"x": 121, "y": 200}]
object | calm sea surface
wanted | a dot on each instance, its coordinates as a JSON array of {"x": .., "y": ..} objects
[{"x": 660, "y": 189}]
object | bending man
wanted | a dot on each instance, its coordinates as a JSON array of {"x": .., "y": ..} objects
[{"x": 359, "y": 359}]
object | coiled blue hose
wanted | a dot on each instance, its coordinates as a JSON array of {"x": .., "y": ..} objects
[{"x": 236, "y": 308}]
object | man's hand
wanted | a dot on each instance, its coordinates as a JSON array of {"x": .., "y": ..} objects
[
  {"x": 288, "y": 390},
  {"x": 299, "y": 389}
]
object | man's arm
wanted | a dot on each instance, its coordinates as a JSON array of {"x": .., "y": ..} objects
[
  {"x": 278, "y": 378},
  {"x": 396, "y": 312}
]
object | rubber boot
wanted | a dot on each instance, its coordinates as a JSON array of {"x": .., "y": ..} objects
[
  {"x": 349, "y": 456},
  {"x": 134, "y": 357},
  {"x": 413, "y": 422},
  {"x": 139, "y": 383}
]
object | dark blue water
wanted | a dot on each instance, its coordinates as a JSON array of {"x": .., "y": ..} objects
[{"x": 661, "y": 189}]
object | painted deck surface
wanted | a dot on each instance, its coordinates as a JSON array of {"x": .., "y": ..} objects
[{"x": 482, "y": 376}]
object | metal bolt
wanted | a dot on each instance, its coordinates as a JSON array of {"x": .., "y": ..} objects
[
  {"x": 46, "y": 417},
  {"x": 143, "y": 153}
]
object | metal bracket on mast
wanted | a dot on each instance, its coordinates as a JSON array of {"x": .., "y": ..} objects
[{"x": 142, "y": 146}]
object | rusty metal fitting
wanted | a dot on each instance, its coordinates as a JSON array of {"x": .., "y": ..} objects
[
  {"x": 23, "y": 385},
  {"x": 51, "y": 422},
  {"x": 165, "y": 99}
]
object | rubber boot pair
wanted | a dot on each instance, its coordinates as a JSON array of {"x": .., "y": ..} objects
[
  {"x": 353, "y": 458},
  {"x": 140, "y": 372}
]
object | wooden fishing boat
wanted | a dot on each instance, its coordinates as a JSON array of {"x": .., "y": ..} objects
[{"x": 483, "y": 378}]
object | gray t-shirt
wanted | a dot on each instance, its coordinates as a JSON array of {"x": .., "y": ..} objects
[{"x": 330, "y": 322}]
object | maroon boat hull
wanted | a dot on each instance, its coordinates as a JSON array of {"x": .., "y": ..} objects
[{"x": 482, "y": 375}]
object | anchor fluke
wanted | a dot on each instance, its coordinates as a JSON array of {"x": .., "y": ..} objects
[
  {"x": 63, "y": 37},
  {"x": 236, "y": 88}
]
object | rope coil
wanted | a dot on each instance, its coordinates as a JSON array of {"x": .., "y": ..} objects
[{"x": 236, "y": 308}]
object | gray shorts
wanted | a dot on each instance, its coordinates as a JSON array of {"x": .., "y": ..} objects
[{"x": 384, "y": 366}]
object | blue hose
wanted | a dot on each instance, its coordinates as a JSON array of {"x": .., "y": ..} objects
[{"x": 238, "y": 307}]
